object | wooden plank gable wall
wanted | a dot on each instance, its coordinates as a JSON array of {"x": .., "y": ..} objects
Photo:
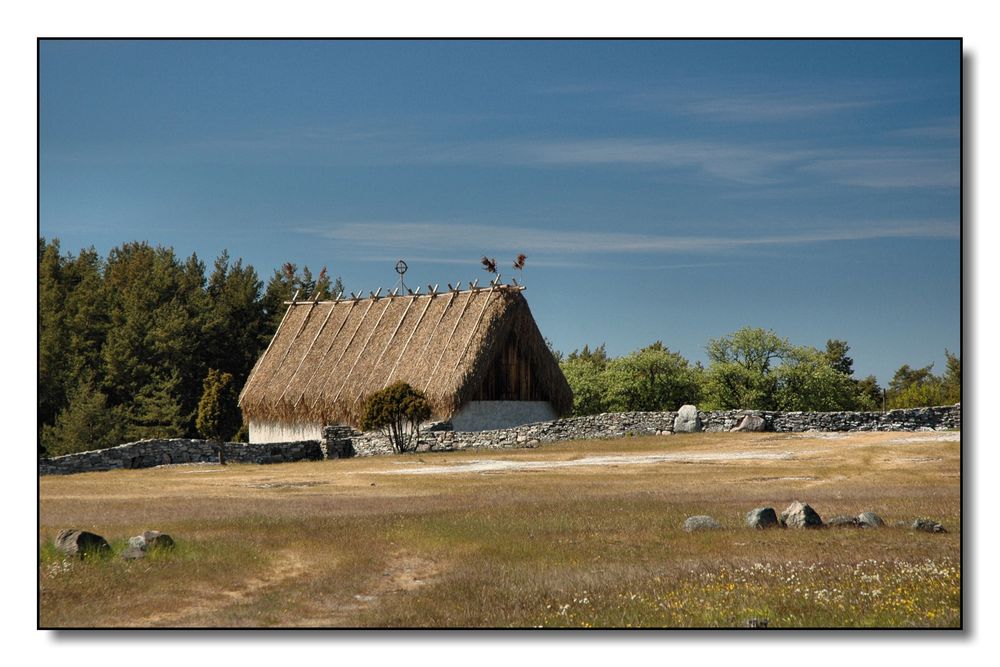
[{"x": 510, "y": 377}]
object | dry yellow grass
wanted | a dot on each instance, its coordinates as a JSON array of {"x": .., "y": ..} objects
[{"x": 363, "y": 542}]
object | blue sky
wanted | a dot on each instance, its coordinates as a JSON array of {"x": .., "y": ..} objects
[{"x": 662, "y": 190}]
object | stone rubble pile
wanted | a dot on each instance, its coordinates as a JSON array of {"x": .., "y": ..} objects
[{"x": 801, "y": 515}]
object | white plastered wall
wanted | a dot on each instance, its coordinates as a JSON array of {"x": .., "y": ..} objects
[
  {"x": 488, "y": 415},
  {"x": 263, "y": 431}
]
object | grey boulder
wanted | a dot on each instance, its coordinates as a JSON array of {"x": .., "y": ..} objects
[
  {"x": 870, "y": 520},
  {"x": 132, "y": 552},
  {"x": 762, "y": 517},
  {"x": 687, "y": 420},
  {"x": 80, "y": 543},
  {"x": 749, "y": 423},
  {"x": 928, "y": 526},
  {"x": 800, "y": 515},
  {"x": 844, "y": 522},
  {"x": 139, "y": 545},
  {"x": 701, "y": 522}
]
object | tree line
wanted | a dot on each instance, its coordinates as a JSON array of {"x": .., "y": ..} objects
[
  {"x": 130, "y": 344},
  {"x": 751, "y": 368},
  {"x": 126, "y": 342}
]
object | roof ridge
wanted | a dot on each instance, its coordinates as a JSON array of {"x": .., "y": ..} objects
[{"x": 376, "y": 297}]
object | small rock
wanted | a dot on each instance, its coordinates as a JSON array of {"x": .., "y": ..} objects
[
  {"x": 150, "y": 539},
  {"x": 801, "y": 515},
  {"x": 133, "y": 553},
  {"x": 701, "y": 522},
  {"x": 844, "y": 522},
  {"x": 80, "y": 543},
  {"x": 928, "y": 526},
  {"x": 870, "y": 520},
  {"x": 687, "y": 420},
  {"x": 762, "y": 517},
  {"x": 157, "y": 540}
]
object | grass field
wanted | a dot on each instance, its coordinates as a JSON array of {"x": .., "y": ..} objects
[{"x": 581, "y": 534}]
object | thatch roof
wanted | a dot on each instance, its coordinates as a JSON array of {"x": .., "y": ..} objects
[{"x": 328, "y": 356}]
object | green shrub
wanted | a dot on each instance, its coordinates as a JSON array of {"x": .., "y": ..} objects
[{"x": 397, "y": 411}]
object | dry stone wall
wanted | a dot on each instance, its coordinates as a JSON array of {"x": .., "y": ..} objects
[
  {"x": 622, "y": 424},
  {"x": 149, "y": 453},
  {"x": 343, "y": 441},
  {"x": 909, "y": 419}
]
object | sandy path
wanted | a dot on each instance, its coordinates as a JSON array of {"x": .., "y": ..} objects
[
  {"x": 402, "y": 574},
  {"x": 287, "y": 565},
  {"x": 482, "y": 465}
]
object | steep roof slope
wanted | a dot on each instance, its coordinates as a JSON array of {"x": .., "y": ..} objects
[{"x": 328, "y": 356}]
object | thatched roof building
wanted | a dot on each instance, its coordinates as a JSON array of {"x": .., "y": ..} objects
[{"x": 477, "y": 354}]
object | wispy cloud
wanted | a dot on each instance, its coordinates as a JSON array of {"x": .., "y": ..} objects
[
  {"x": 947, "y": 130},
  {"x": 550, "y": 245},
  {"x": 889, "y": 172},
  {"x": 754, "y": 107},
  {"x": 735, "y": 162}
]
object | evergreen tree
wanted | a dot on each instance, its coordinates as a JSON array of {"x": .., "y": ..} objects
[
  {"x": 52, "y": 358},
  {"x": 156, "y": 412},
  {"x": 836, "y": 356},
  {"x": 952, "y": 378},
  {"x": 86, "y": 423},
  {"x": 280, "y": 288},
  {"x": 219, "y": 415},
  {"x": 868, "y": 394},
  {"x": 283, "y": 285},
  {"x": 86, "y": 316},
  {"x": 233, "y": 331}
]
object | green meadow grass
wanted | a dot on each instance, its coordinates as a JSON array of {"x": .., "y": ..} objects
[{"x": 343, "y": 544}]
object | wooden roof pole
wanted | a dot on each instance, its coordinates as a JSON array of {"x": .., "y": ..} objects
[
  {"x": 344, "y": 351},
  {"x": 386, "y": 348},
  {"x": 295, "y": 337},
  {"x": 444, "y": 350},
  {"x": 266, "y": 350},
  {"x": 308, "y": 350},
  {"x": 319, "y": 364},
  {"x": 407, "y": 343},
  {"x": 437, "y": 324},
  {"x": 474, "y": 329},
  {"x": 347, "y": 377}
]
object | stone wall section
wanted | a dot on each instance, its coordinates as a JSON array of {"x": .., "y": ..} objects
[
  {"x": 149, "y": 453},
  {"x": 908, "y": 419},
  {"x": 623, "y": 424},
  {"x": 342, "y": 441}
]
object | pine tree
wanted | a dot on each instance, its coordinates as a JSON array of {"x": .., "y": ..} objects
[
  {"x": 219, "y": 415},
  {"x": 156, "y": 412},
  {"x": 52, "y": 357},
  {"x": 233, "y": 330},
  {"x": 86, "y": 423},
  {"x": 836, "y": 356}
]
